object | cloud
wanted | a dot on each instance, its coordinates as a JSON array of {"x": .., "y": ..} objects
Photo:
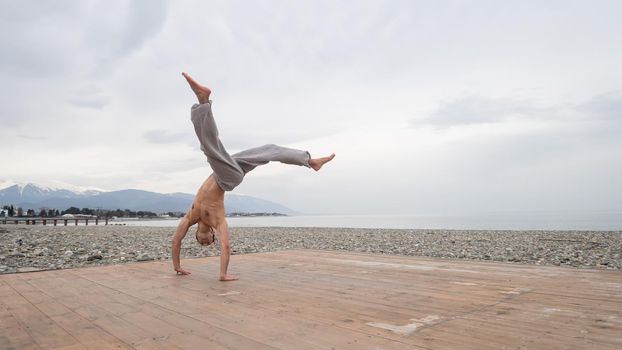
[
  {"x": 517, "y": 153},
  {"x": 96, "y": 102},
  {"x": 478, "y": 110},
  {"x": 33, "y": 138},
  {"x": 243, "y": 139},
  {"x": 143, "y": 21},
  {"x": 36, "y": 38},
  {"x": 73, "y": 38},
  {"x": 161, "y": 136},
  {"x": 606, "y": 107},
  {"x": 51, "y": 53},
  {"x": 90, "y": 97},
  {"x": 474, "y": 109}
]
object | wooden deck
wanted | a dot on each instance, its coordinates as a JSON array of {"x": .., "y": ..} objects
[{"x": 306, "y": 299}]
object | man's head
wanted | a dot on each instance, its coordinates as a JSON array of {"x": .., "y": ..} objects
[{"x": 204, "y": 234}]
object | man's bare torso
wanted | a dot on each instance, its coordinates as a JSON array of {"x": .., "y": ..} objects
[{"x": 208, "y": 206}]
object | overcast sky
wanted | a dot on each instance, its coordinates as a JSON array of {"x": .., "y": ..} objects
[{"x": 432, "y": 107}]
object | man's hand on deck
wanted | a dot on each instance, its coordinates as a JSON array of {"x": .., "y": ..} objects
[{"x": 181, "y": 271}]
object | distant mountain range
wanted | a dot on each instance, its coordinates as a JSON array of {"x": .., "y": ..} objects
[{"x": 32, "y": 196}]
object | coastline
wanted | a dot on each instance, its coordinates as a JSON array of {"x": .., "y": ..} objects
[{"x": 34, "y": 248}]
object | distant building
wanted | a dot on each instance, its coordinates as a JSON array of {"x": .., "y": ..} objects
[
  {"x": 78, "y": 216},
  {"x": 84, "y": 216},
  {"x": 4, "y": 213}
]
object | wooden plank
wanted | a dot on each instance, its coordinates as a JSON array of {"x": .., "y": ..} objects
[
  {"x": 76, "y": 296},
  {"x": 80, "y": 328},
  {"x": 124, "y": 304},
  {"x": 13, "y": 335},
  {"x": 152, "y": 319},
  {"x": 44, "y": 331}
]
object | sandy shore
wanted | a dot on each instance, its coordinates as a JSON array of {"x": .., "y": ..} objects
[{"x": 30, "y": 248}]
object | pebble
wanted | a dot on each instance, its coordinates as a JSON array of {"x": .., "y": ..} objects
[
  {"x": 49, "y": 248},
  {"x": 94, "y": 257},
  {"x": 40, "y": 251},
  {"x": 144, "y": 257}
]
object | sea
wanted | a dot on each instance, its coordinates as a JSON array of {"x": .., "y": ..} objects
[{"x": 567, "y": 220}]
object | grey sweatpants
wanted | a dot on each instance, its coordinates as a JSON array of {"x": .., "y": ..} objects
[{"x": 229, "y": 170}]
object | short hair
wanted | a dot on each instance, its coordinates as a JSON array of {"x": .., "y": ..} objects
[{"x": 209, "y": 231}]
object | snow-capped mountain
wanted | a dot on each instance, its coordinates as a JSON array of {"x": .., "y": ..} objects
[
  {"x": 50, "y": 187},
  {"x": 34, "y": 193},
  {"x": 34, "y": 196}
]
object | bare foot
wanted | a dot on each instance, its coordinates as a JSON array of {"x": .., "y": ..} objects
[
  {"x": 317, "y": 163},
  {"x": 201, "y": 91}
]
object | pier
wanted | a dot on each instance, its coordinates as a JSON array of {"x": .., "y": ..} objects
[{"x": 53, "y": 221}]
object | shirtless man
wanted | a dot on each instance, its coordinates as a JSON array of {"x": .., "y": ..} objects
[{"x": 208, "y": 209}]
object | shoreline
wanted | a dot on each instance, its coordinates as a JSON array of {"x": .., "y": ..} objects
[{"x": 35, "y": 248}]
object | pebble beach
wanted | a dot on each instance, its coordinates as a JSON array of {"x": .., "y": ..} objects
[{"x": 33, "y": 248}]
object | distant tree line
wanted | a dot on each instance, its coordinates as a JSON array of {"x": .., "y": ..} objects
[
  {"x": 11, "y": 211},
  {"x": 125, "y": 213},
  {"x": 254, "y": 214},
  {"x": 8, "y": 210}
]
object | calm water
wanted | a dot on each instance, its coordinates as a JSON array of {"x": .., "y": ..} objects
[{"x": 596, "y": 221}]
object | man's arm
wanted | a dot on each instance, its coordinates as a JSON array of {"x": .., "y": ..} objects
[
  {"x": 225, "y": 252},
  {"x": 180, "y": 233}
]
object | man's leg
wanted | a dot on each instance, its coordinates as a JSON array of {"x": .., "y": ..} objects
[
  {"x": 254, "y": 157},
  {"x": 227, "y": 173}
]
